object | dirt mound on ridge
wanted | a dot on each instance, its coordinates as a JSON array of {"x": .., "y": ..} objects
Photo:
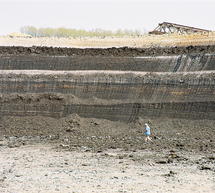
[{"x": 123, "y": 51}]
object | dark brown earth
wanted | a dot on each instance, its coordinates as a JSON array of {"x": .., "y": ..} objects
[
  {"x": 124, "y": 51},
  {"x": 74, "y": 132}
]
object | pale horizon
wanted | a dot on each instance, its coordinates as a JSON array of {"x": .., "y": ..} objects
[{"x": 143, "y": 15}]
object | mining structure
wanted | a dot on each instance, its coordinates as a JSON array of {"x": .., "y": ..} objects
[{"x": 168, "y": 28}]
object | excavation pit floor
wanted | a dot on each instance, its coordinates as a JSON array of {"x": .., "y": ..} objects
[
  {"x": 43, "y": 168},
  {"x": 75, "y": 154}
]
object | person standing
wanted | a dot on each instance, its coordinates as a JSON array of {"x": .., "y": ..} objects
[{"x": 147, "y": 132}]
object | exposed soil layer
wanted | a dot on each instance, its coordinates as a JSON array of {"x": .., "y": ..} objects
[
  {"x": 109, "y": 94},
  {"x": 138, "y": 96},
  {"x": 124, "y": 51},
  {"x": 174, "y": 63},
  {"x": 58, "y": 106}
]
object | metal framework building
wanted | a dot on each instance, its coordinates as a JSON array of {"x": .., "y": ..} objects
[{"x": 166, "y": 27}]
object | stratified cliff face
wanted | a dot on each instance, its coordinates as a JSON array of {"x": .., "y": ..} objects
[
  {"x": 172, "y": 63},
  {"x": 108, "y": 85},
  {"x": 110, "y": 95}
]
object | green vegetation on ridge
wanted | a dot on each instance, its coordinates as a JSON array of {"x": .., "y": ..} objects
[{"x": 66, "y": 32}]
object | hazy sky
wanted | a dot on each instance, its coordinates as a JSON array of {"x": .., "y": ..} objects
[{"x": 105, "y": 14}]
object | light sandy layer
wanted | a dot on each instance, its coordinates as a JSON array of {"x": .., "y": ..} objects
[
  {"x": 92, "y": 72},
  {"x": 142, "y": 41}
]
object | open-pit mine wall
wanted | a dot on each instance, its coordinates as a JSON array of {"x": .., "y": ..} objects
[
  {"x": 173, "y": 63},
  {"x": 110, "y": 86}
]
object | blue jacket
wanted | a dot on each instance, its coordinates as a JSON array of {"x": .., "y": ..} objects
[{"x": 148, "y": 132}]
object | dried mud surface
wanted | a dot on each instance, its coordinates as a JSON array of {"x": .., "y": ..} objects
[
  {"x": 42, "y": 168},
  {"x": 123, "y": 51}
]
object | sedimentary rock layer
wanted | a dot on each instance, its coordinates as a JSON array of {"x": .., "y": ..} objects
[
  {"x": 114, "y": 95},
  {"x": 173, "y": 63}
]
